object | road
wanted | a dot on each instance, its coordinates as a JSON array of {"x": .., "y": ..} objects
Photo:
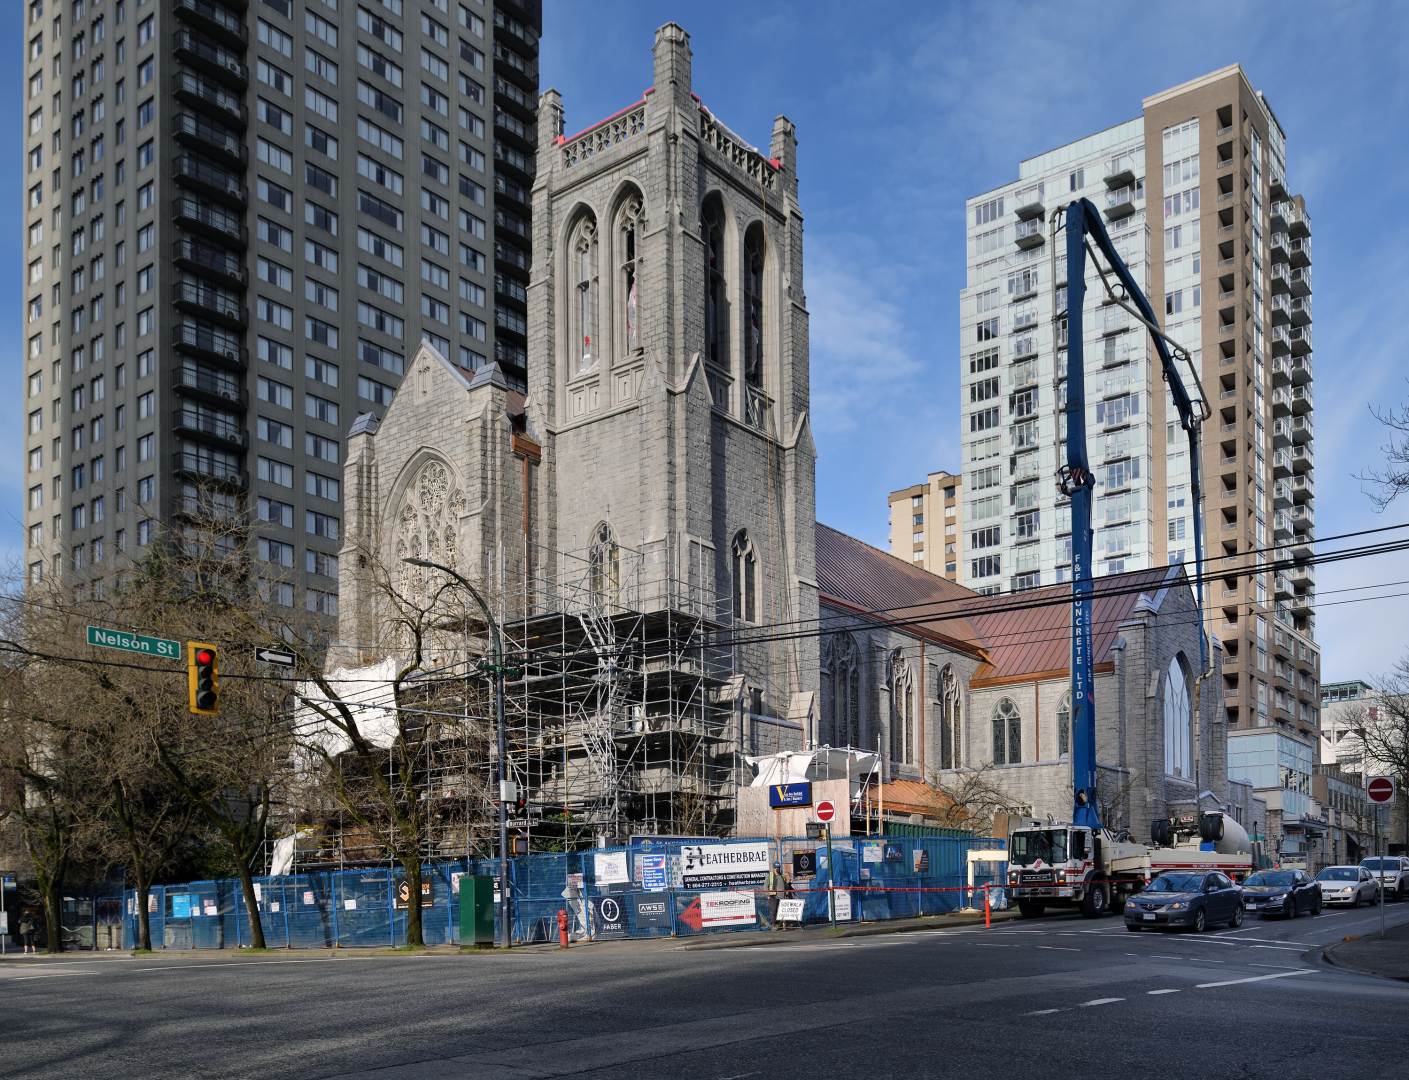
[{"x": 1056, "y": 997}]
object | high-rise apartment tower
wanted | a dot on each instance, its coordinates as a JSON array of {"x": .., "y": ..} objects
[
  {"x": 1194, "y": 193},
  {"x": 241, "y": 216},
  {"x": 927, "y": 524}
]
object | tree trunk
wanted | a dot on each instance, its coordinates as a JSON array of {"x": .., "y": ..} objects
[
  {"x": 414, "y": 934},
  {"x": 251, "y": 904},
  {"x": 144, "y": 917},
  {"x": 52, "y": 888}
]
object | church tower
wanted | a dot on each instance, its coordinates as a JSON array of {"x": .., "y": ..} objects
[{"x": 668, "y": 359}]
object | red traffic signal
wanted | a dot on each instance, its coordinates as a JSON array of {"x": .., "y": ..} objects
[{"x": 203, "y": 679}]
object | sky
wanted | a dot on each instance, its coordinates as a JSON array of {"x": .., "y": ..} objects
[{"x": 907, "y": 112}]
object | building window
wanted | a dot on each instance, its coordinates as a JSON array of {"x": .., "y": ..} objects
[
  {"x": 846, "y": 690},
  {"x": 745, "y": 579},
  {"x": 629, "y": 222},
  {"x": 754, "y": 252},
  {"x": 1177, "y": 722},
  {"x": 716, "y": 302},
  {"x": 1064, "y": 726},
  {"x": 1007, "y": 733},
  {"x": 604, "y": 566},
  {"x": 950, "y": 708},
  {"x": 583, "y": 260},
  {"x": 902, "y": 710}
]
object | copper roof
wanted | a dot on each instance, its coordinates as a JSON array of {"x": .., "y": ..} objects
[
  {"x": 853, "y": 574},
  {"x": 1036, "y": 640},
  {"x": 912, "y": 797}
]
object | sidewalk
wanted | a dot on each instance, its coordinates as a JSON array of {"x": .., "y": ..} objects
[
  {"x": 1369, "y": 954},
  {"x": 822, "y": 932}
]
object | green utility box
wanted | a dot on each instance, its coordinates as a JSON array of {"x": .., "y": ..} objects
[{"x": 476, "y": 911}]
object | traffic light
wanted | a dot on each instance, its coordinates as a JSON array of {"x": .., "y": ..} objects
[{"x": 203, "y": 678}]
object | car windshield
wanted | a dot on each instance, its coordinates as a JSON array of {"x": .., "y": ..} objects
[
  {"x": 1049, "y": 845},
  {"x": 1338, "y": 873},
  {"x": 1280, "y": 878},
  {"x": 1381, "y": 864},
  {"x": 1177, "y": 883}
]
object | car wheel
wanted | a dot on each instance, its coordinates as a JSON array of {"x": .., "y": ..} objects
[
  {"x": 1200, "y": 921},
  {"x": 1355, "y": 900},
  {"x": 1316, "y": 906},
  {"x": 1237, "y": 919}
]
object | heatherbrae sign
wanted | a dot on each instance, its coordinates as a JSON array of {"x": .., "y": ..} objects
[{"x": 716, "y": 866}]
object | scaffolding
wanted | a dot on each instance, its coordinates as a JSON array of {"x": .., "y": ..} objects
[{"x": 620, "y": 720}]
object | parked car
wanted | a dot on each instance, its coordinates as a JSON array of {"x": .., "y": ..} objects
[
  {"x": 1178, "y": 899},
  {"x": 1282, "y": 892},
  {"x": 1351, "y": 885},
  {"x": 1391, "y": 874}
]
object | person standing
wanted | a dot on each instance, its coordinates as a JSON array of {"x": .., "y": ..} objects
[
  {"x": 26, "y": 929},
  {"x": 775, "y": 891}
]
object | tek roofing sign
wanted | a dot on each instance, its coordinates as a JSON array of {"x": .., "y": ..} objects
[
  {"x": 104, "y": 638},
  {"x": 715, "y": 866},
  {"x": 781, "y": 796}
]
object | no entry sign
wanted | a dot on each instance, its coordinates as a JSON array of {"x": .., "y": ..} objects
[
  {"x": 826, "y": 811},
  {"x": 1380, "y": 789}
]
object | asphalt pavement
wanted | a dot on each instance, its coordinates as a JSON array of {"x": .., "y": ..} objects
[{"x": 1060, "y": 996}]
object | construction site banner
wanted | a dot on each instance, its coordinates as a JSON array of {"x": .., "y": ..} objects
[
  {"x": 727, "y": 909},
  {"x": 718, "y": 866}
]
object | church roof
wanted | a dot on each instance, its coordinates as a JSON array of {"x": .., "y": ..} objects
[
  {"x": 1034, "y": 640},
  {"x": 852, "y": 573}
]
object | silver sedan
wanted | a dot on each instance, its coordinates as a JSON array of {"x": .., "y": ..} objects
[{"x": 1351, "y": 885}]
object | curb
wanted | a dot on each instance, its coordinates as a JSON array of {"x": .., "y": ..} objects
[
  {"x": 1326, "y": 954},
  {"x": 821, "y": 932}
]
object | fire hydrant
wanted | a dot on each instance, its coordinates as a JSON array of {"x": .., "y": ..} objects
[{"x": 562, "y": 928}]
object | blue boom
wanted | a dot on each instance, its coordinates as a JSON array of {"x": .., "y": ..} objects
[{"x": 1076, "y": 482}]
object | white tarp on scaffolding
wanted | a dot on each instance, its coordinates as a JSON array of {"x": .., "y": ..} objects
[{"x": 824, "y": 763}]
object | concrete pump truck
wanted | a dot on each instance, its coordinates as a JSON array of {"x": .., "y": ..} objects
[{"x": 1080, "y": 863}]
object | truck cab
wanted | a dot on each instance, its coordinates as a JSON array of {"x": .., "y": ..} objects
[{"x": 1057, "y": 865}]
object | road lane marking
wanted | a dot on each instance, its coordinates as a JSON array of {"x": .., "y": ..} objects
[
  {"x": 1045, "y": 1012},
  {"x": 1057, "y": 948},
  {"x": 1098, "y": 1001},
  {"x": 1256, "y": 978},
  {"x": 1161, "y": 991},
  {"x": 1280, "y": 948}
]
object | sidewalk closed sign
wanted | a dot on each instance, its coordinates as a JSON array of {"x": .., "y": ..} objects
[
  {"x": 727, "y": 909},
  {"x": 713, "y": 866}
]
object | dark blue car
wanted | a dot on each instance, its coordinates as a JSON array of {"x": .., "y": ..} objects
[{"x": 1185, "y": 900}]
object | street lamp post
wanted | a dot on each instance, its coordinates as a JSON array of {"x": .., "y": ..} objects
[{"x": 497, "y": 644}]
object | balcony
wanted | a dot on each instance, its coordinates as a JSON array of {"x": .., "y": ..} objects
[
  {"x": 1303, "y": 487},
  {"x": 1281, "y": 308},
  {"x": 214, "y": 18},
  {"x": 1276, "y": 183},
  {"x": 191, "y": 254},
  {"x": 1282, "y": 587},
  {"x": 1281, "y": 371},
  {"x": 208, "y": 138},
  {"x": 1301, "y": 251},
  {"x": 191, "y": 419},
  {"x": 1300, "y": 280},
  {"x": 195, "y": 380},
  {"x": 1298, "y": 220},
  {"x": 1300, "y": 576},
  {"x": 1301, "y": 429},
  {"x": 1281, "y": 277},
  {"x": 1278, "y": 214},
  {"x": 205, "y": 55},
  {"x": 1120, "y": 202},
  {"x": 199, "y": 175},
  {"x": 212, "y": 507},
  {"x": 1304, "y": 603},
  {"x": 1282, "y": 401},
  {"x": 1120, "y": 171},
  {"x": 1028, "y": 234},
  {"x": 1282, "y": 433},
  {"x": 1302, "y": 458},
  {"x": 1024, "y": 320},
  {"x": 201, "y": 299},
  {"x": 213, "y": 221},
  {"x": 1281, "y": 494},
  {"x": 202, "y": 339},
  {"x": 192, "y": 89},
  {"x": 1301, "y": 400},
  {"x": 1301, "y": 369},
  {"x": 1281, "y": 340},
  {"x": 1303, "y": 517},
  {"x": 199, "y": 466},
  {"x": 1300, "y": 340},
  {"x": 1281, "y": 463},
  {"x": 1030, "y": 202}
]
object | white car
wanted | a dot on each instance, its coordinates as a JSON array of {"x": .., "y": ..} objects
[
  {"x": 1392, "y": 874},
  {"x": 1351, "y": 885}
]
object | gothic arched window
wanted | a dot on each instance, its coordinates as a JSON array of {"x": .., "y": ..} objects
[
  {"x": 629, "y": 224},
  {"x": 1007, "y": 733},
  {"x": 1178, "y": 726},
  {"x": 745, "y": 578},
  {"x": 585, "y": 349},
  {"x": 1064, "y": 725},
  {"x": 846, "y": 690},
  {"x": 716, "y": 300},
  {"x": 428, "y": 521},
  {"x": 902, "y": 710},
  {"x": 948, "y": 719},
  {"x": 754, "y": 251},
  {"x": 603, "y": 566}
]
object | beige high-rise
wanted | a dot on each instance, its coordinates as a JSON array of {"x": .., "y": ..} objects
[
  {"x": 927, "y": 524},
  {"x": 1194, "y": 193}
]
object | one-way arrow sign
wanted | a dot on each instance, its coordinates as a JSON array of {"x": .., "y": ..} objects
[{"x": 280, "y": 657}]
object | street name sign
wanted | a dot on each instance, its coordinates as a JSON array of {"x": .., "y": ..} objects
[
  {"x": 1380, "y": 789},
  {"x": 281, "y": 657},
  {"x": 104, "y": 638}
]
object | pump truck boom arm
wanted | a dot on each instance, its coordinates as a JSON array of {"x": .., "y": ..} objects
[{"x": 1083, "y": 224}]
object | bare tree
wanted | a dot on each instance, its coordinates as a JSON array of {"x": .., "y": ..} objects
[
  {"x": 974, "y": 798},
  {"x": 1392, "y": 479},
  {"x": 1382, "y": 726}
]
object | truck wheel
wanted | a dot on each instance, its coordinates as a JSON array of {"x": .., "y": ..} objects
[
  {"x": 1093, "y": 904},
  {"x": 1030, "y": 909}
]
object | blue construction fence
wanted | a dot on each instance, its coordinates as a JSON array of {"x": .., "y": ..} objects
[{"x": 650, "y": 888}]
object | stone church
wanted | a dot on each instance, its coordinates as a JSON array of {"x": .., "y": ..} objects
[{"x": 643, "y": 518}]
